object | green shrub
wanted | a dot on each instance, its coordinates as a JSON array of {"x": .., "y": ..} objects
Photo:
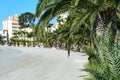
[{"x": 104, "y": 59}]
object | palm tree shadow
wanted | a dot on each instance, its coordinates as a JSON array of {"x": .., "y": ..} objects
[{"x": 82, "y": 75}]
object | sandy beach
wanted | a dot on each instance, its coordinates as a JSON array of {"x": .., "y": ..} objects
[{"x": 22, "y": 63}]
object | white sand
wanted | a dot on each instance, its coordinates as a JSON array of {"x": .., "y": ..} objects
[{"x": 20, "y": 63}]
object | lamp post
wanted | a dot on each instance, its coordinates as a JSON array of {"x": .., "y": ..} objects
[
  {"x": 7, "y": 34},
  {"x": 7, "y": 38}
]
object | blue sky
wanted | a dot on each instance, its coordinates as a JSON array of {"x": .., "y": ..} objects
[{"x": 11, "y": 7}]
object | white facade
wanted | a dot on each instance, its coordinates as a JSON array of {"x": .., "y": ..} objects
[
  {"x": 56, "y": 25},
  {"x": 1, "y": 32},
  {"x": 27, "y": 29},
  {"x": 64, "y": 15},
  {"x": 10, "y": 25},
  {"x": 24, "y": 37}
]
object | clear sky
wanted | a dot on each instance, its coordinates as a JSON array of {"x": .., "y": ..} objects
[{"x": 11, "y": 7}]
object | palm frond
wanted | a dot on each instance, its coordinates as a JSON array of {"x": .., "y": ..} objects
[{"x": 104, "y": 58}]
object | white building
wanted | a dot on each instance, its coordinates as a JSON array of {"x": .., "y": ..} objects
[
  {"x": 1, "y": 32},
  {"x": 56, "y": 25},
  {"x": 27, "y": 29},
  {"x": 11, "y": 25}
]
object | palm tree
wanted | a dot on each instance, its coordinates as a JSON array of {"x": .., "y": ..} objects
[
  {"x": 93, "y": 16},
  {"x": 32, "y": 34},
  {"x": 99, "y": 11},
  {"x": 15, "y": 34}
]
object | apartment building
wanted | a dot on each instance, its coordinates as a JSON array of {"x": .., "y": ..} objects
[{"x": 9, "y": 26}]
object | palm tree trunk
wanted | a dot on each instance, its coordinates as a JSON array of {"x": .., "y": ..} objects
[
  {"x": 100, "y": 26},
  {"x": 103, "y": 19}
]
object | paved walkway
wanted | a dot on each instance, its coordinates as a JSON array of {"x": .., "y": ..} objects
[{"x": 20, "y": 63}]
